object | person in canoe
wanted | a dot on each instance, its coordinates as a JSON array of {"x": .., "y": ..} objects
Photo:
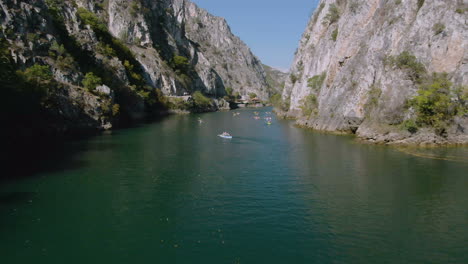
[{"x": 225, "y": 135}]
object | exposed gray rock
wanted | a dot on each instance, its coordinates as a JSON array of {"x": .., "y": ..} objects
[
  {"x": 222, "y": 104},
  {"x": 361, "y": 94},
  {"x": 104, "y": 89}
]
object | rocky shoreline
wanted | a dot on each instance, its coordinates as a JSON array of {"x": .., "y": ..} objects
[
  {"x": 393, "y": 78},
  {"x": 391, "y": 135}
]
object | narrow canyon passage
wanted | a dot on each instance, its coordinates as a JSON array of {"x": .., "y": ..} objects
[{"x": 174, "y": 192}]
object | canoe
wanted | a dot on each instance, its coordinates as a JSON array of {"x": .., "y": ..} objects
[{"x": 223, "y": 136}]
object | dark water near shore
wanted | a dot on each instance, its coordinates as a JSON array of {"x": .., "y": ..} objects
[{"x": 174, "y": 192}]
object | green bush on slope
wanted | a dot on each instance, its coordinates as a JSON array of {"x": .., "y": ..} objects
[
  {"x": 434, "y": 105},
  {"x": 91, "y": 81},
  {"x": 309, "y": 105},
  {"x": 409, "y": 62},
  {"x": 200, "y": 100}
]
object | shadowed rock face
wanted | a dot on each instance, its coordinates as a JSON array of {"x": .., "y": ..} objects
[
  {"x": 154, "y": 31},
  {"x": 361, "y": 93}
]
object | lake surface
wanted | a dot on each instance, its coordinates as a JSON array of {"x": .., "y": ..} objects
[{"x": 174, "y": 192}]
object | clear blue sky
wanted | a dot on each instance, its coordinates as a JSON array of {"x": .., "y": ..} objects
[{"x": 271, "y": 28}]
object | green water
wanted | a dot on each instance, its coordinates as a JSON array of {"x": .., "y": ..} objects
[{"x": 174, "y": 192}]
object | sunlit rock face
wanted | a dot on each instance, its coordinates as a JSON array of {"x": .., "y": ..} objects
[
  {"x": 154, "y": 31},
  {"x": 360, "y": 91},
  {"x": 163, "y": 28}
]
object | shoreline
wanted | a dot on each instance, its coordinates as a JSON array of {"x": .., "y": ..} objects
[{"x": 392, "y": 137}]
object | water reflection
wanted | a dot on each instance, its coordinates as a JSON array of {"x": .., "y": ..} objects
[{"x": 174, "y": 192}]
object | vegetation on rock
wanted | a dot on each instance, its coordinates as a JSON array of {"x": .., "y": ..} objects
[
  {"x": 409, "y": 62},
  {"x": 438, "y": 28},
  {"x": 309, "y": 105},
  {"x": 332, "y": 16},
  {"x": 438, "y": 101},
  {"x": 334, "y": 34},
  {"x": 91, "y": 81},
  {"x": 316, "y": 81},
  {"x": 200, "y": 100},
  {"x": 277, "y": 102}
]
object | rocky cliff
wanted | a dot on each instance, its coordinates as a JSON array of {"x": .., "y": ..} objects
[
  {"x": 275, "y": 79},
  {"x": 391, "y": 71},
  {"x": 111, "y": 60}
]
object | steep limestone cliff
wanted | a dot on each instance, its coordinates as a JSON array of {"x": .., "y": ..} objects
[
  {"x": 117, "y": 60},
  {"x": 164, "y": 28},
  {"x": 275, "y": 79},
  {"x": 366, "y": 67}
]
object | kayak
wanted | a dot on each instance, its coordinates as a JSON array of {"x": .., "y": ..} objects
[{"x": 223, "y": 136}]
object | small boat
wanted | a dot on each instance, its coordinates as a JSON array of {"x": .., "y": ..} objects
[
  {"x": 200, "y": 120},
  {"x": 225, "y": 135},
  {"x": 269, "y": 123}
]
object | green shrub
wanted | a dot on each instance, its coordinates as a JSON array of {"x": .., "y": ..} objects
[
  {"x": 461, "y": 96},
  {"x": 334, "y": 34},
  {"x": 252, "y": 95},
  {"x": 91, "y": 81},
  {"x": 179, "y": 104},
  {"x": 316, "y": 81},
  {"x": 65, "y": 62},
  {"x": 332, "y": 16},
  {"x": 200, "y": 100},
  {"x": 106, "y": 50},
  {"x": 309, "y": 105},
  {"x": 410, "y": 125},
  {"x": 433, "y": 103},
  {"x": 57, "y": 50},
  {"x": 91, "y": 19},
  {"x": 229, "y": 91},
  {"x": 276, "y": 100},
  {"x": 115, "y": 110},
  {"x": 438, "y": 28},
  {"x": 144, "y": 94},
  {"x": 409, "y": 62},
  {"x": 180, "y": 63},
  {"x": 460, "y": 11},
  {"x": 293, "y": 78},
  {"x": 38, "y": 73},
  {"x": 38, "y": 80},
  {"x": 134, "y": 9}
]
